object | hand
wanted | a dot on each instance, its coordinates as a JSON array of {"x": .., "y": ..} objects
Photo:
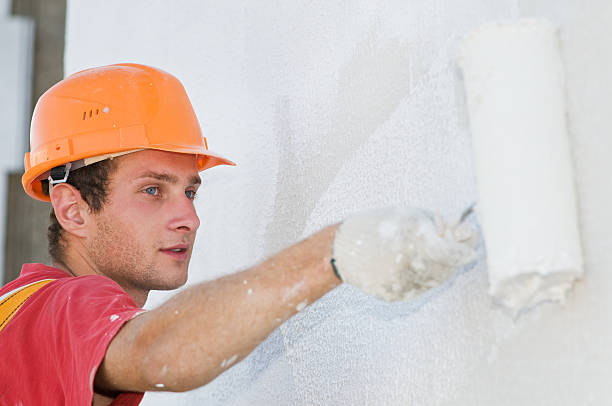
[{"x": 397, "y": 254}]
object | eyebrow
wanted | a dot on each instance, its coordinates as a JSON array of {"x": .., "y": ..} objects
[{"x": 169, "y": 178}]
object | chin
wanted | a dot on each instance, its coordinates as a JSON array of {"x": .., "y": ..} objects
[
  {"x": 178, "y": 284},
  {"x": 167, "y": 279},
  {"x": 172, "y": 284}
]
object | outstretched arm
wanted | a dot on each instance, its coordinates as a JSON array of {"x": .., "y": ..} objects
[{"x": 200, "y": 332}]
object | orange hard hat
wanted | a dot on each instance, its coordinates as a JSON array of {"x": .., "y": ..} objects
[{"x": 109, "y": 110}]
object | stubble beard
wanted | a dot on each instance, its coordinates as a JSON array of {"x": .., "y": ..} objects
[{"x": 120, "y": 257}]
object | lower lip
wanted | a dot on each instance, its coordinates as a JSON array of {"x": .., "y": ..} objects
[{"x": 180, "y": 255}]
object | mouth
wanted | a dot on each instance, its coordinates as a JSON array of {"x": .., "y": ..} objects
[{"x": 179, "y": 252}]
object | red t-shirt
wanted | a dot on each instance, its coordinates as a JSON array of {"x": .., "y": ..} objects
[{"x": 51, "y": 349}]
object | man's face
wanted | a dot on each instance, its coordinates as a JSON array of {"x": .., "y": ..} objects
[{"x": 143, "y": 236}]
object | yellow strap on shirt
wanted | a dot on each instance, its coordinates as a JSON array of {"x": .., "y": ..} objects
[{"x": 12, "y": 301}]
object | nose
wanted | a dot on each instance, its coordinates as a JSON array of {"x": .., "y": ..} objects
[{"x": 183, "y": 215}]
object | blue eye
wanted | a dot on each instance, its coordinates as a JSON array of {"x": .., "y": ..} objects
[
  {"x": 152, "y": 190},
  {"x": 191, "y": 194}
]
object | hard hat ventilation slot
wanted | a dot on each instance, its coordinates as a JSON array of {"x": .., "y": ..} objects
[{"x": 90, "y": 113}]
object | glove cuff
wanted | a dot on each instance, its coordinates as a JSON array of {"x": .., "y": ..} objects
[{"x": 333, "y": 264}]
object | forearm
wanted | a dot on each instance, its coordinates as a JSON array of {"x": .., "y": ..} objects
[{"x": 203, "y": 330}]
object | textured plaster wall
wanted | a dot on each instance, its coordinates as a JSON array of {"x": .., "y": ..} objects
[{"x": 332, "y": 107}]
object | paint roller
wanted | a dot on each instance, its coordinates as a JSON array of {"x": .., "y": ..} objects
[{"x": 515, "y": 89}]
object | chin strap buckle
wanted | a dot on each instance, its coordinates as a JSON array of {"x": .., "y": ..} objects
[{"x": 59, "y": 174}]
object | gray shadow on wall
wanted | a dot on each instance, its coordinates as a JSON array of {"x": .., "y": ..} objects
[{"x": 371, "y": 86}]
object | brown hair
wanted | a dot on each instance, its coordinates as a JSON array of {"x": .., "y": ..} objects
[{"x": 92, "y": 182}]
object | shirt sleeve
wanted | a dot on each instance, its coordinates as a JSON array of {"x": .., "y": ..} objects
[{"x": 82, "y": 315}]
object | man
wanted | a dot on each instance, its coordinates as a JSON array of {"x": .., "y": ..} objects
[{"x": 117, "y": 150}]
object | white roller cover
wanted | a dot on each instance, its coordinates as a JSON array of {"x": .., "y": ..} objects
[{"x": 527, "y": 204}]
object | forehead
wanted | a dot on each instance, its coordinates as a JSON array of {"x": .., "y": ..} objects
[{"x": 135, "y": 164}]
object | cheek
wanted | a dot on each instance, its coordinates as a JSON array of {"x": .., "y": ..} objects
[
  {"x": 137, "y": 222},
  {"x": 142, "y": 217},
  {"x": 117, "y": 235},
  {"x": 135, "y": 235},
  {"x": 132, "y": 214},
  {"x": 117, "y": 248}
]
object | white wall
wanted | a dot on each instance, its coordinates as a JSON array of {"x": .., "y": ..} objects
[{"x": 335, "y": 106}]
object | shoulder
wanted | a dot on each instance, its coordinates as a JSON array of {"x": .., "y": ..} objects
[
  {"x": 67, "y": 297},
  {"x": 65, "y": 286},
  {"x": 68, "y": 304},
  {"x": 90, "y": 285},
  {"x": 59, "y": 336},
  {"x": 31, "y": 273},
  {"x": 88, "y": 296}
]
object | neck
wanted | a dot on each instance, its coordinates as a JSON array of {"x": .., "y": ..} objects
[{"x": 80, "y": 265}]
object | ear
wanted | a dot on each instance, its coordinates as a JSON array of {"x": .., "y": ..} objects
[{"x": 71, "y": 211}]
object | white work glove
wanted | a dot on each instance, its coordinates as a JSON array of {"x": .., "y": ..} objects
[{"x": 397, "y": 254}]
